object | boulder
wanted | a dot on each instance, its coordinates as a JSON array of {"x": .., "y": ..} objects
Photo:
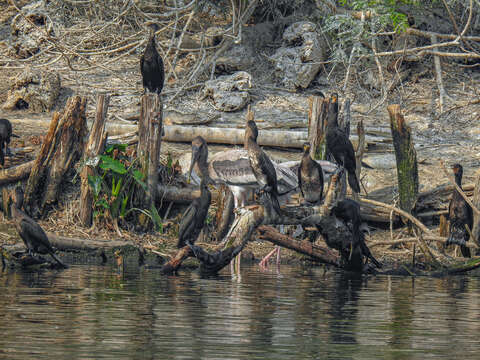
[
  {"x": 298, "y": 61},
  {"x": 29, "y": 32},
  {"x": 34, "y": 90},
  {"x": 229, "y": 92}
]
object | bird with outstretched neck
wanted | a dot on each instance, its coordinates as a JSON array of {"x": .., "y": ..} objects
[
  {"x": 151, "y": 64},
  {"x": 32, "y": 234},
  {"x": 310, "y": 177},
  {"x": 193, "y": 220},
  {"x": 461, "y": 216},
  {"x": 349, "y": 211},
  {"x": 262, "y": 166},
  {"x": 340, "y": 146}
]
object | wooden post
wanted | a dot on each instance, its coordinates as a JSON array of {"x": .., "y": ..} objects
[
  {"x": 406, "y": 156},
  {"x": 476, "y": 217},
  {"x": 94, "y": 147},
  {"x": 149, "y": 141},
  {"x": 317, "y": 125},
  {"x": 62, "y": 148},
  {"x": 359, "y": 154}
]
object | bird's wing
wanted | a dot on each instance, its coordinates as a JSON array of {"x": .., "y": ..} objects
[
  {"x": 299, "y": 177},
  {"x": 187, "y": 224},
  {"x": 34, "y": 233}
]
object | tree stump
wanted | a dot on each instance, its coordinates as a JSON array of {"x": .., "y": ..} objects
[
  {"x": 149, "y": 141},
  {"x": 62, "y": 148},
  {"x": 94, "y": 147},
  {"x": 406, "y": 156},
  {"x": 476, "y": 217},
  {"x": 317, "y": 125}
]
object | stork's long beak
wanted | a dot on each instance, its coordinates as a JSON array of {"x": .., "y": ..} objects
[{"x": 195, "y": 154}]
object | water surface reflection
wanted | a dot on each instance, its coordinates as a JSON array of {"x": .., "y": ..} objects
[{"x": 96, "y": 312}]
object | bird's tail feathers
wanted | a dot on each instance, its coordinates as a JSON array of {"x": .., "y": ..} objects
[{"x": 353, "y": 182}]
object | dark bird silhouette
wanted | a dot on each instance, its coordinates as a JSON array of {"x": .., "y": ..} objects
[
  {"x": 151, "y": 64},
  {"x": 5, "y": 135},
  {"x": 310, "y": 177},
  {"x": 32, "y": 234},
  {"x": 262, "y": 166},
  {"x": 340, "y": 146},
  {"x": 194, "y": 217},
  {"x": 460, "y": 215},
  {"x": 349, "y": 211}
]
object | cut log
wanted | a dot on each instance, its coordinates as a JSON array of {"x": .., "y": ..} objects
[
  {"x": 62, "y": 148},
  {"x": 150, "y": 138},
  {"x": 16, "y": 173},
  {"x": 407, "y": 168},
  {"x": 95, "y": 146},
  {"x": 317, "y": 123}
]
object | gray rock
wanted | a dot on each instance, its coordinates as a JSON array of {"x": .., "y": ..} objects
[
  {"x": 30, "y": 32},
  {"x": 297, "y": 63},
  {"x": 35, "y": 90},
  {"x": 229, "y": 92}
]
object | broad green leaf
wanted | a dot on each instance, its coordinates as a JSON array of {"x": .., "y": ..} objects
[
  {"x": 103, "y": 203},
  {"x": 95, "y": 183},
  {"x": 120, "y": 147},
  {"x": 112, "y": 164},
  {"x": 157, "y": 220}
]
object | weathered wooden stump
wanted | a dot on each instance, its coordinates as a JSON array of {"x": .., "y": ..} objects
[
  {"x": 406, "y": 156},
  {"x": 317, "y": 125},
  {"x": 62, "y": 148},
  {"x": 94, "y": 147}
]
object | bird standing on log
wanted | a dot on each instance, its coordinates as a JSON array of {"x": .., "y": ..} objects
[
  {"x": 262, "y": 166},
  {"x": 461, "y": 216},
  {"x": 32, "y": 234},
  {"x": 310, "y": 177},
  {"x": 349, "y": 211},
  {"x": 151, "y": 64},
  {"x": 5, "y": 134},
  {"x": 193, "y": 219},
  {"x": 340, "y": 146}
]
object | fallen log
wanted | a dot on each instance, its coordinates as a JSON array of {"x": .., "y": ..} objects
[{"x": 16, "y": 173}]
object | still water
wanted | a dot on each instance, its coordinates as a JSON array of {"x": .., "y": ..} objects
[{"x": 91, "y": 312}]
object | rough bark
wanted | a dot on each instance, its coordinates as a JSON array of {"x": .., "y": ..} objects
[
  {"x": 95, "y": 146},
  {"x": 224, "y": 214},
  {"x": 62, "y": 148},
  {"x": 16, "y": 173},
  {"x": 406, "y": 156},
  {"x": 317, "y": 123},
  {"x": 476, "y": 217},
  {"x": 150, "y": 138}
]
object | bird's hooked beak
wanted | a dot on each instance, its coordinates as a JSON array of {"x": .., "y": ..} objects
[{"x": 195, "y": 155}]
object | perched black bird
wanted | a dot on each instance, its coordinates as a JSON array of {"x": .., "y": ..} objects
[
  {"x": 151, "y": 65},
  {"x": 349, "y": 211},
  {"x": 194, "y": 217},
  {"x": 310, "y": 177},
  {"x": 340, "y": 146},
  {"x": 262, "y": 166},
  {"x": 5, "y": 135},
  {"x": 461, "y": 216},
  {"x": 32, "y": 234}
]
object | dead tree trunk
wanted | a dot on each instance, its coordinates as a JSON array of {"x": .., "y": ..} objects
[
  {"x": 224, "y": 214},
  {"x": 62, "y": 148},
  {"x": 95, "y": 146},
  {"x": 359, "y": 154},
  {"x": 317, "y": 124},
  {"x": 476, "y": 217},
  {"x": 406, "y": 156},
  {"x": 149, "y": 141}
]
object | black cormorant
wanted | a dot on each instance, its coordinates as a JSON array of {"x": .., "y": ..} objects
[
  {"x": 5, "y": 134},
  {"x": 310, "y": 177},
  {"x": 340, "y": 146},
  {"x": 349, "y": 211},
  {"x": 32, "y": 234},
  {"x": 262, "y": 166},
  {"x": 461, "y": 216},
  {"x": 151, "y": 64},
  {"x": 193, "y": 219}
]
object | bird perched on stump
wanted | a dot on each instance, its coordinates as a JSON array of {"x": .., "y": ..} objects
[
  {"x": 340, "y": 146},
  {"x": 262, "y": 166},
  {"x": 151, "y": 64},
  {"x": 193, "y": 219},
  {"x": 310, "y": 177},
  {"x": 460, "y": 214},
  {"x": 349, "y": 211},
  {"x": 32, "y": 234},
  {"x": 5, "y": 135}
]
